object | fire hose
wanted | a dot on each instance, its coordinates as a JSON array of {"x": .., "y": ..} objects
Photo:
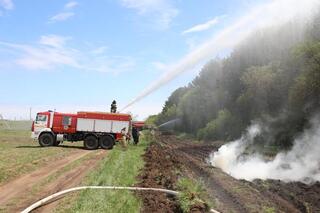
[{"x": 64, "y": 192}]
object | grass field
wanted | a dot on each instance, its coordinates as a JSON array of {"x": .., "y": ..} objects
[
  {"x": 19, "y": 154},
  {"x": 15, "y": 125},
  {"x": 119, "y": 168}
]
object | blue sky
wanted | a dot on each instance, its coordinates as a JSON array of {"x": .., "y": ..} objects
[{"x": 80, "y": 55}]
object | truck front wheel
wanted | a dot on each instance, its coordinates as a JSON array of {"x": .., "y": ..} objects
[
  {"x": 46, "y": 139},
  {"x": 91, "y": 142},
  {"x": 106, "y": 142}
]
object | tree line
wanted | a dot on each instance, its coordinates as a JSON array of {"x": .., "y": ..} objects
[{"x": 272, "y": 77}]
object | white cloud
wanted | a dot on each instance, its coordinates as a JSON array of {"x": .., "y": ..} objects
[
  {"x": 42, "y": 56},
  {"x": 7, "y": 4},
  {"x": 202, "y": 27},
  {"x": 52, "y": 52},
  {"x": 65, "y": 14},
  {"x": 71, "y": 4},
  {"x": 53, "y": 40},
  {"x": 162, "y": 11},
  {"x": 61, "y": 16}
]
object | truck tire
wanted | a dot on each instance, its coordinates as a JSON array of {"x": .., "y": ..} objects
[
  {"x": 106, "y": 142},
  {"x": 46, "y": 139},
  {"x": 91, "y": 142}
]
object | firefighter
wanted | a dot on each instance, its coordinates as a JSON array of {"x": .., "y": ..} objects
[
  {"x": 135, "y": 135},
  {"x": 128, "y": 138},
  {"x": 123, "y": 140},
  {"x": 113, "y": 107}
]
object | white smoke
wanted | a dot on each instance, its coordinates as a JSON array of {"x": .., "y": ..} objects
[
  {"x": 301, "y": 163},
  {"x": 274, "y": 12}
]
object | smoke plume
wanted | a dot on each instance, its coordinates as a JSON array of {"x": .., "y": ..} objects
[
  {"x": 301, "y": 163},
  {"x": 274, "y": 12}
]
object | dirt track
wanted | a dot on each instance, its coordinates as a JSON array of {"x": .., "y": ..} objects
[
  {"x": 27, "y": 189},
  {"x": 227, "y": 193},
  {"x": 159, "y": 172}
]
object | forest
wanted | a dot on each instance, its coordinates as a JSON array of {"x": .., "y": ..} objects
[{"x": 272, "y": 77}]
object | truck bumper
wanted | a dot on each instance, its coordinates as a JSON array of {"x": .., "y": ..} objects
[{"x": 34, "y": 135}]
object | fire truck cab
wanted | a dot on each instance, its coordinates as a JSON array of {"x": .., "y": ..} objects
[{"x": 96, "y": 129}]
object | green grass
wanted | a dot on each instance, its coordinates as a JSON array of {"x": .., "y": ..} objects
[
  {"x": 119, "y": 168},
  {"x": 19, "y": 154},
  {"x": 15, "y": 125},
  {"x": 192, "y": 194},
  {"x": 269, "y": 210}
]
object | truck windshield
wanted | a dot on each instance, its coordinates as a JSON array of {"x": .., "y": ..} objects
[{"x": 41, "y": 118}]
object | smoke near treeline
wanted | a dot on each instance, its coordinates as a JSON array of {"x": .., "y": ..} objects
[
  {"x": 272, "y": 78},
  {"x": 301, "y": 163}
]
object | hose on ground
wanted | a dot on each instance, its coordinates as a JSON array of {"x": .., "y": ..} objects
[{"x": 64, "y": 192}]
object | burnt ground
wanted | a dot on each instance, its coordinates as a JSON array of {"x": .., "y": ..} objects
[
  {"x": 170, "y": 157},
  {"x": 306, "y": 198}
]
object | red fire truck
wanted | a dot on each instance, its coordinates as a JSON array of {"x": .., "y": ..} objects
[
  {"x": 139, "y": 125},
  {"x": 96, "y": 129}
]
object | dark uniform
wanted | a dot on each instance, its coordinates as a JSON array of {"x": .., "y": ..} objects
[
  {"x": 113, "y": 107},
  {"x": 135, "y": 135}
]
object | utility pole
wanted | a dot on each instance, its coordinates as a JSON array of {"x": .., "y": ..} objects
[{"x": 30, "y": 118}]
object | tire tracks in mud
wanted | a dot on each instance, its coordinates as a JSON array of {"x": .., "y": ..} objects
[{"x": 18, "y": 193}]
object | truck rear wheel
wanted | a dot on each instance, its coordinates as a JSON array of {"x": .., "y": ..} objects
[
  {"x": 106, "y": 142},
  {"x": 91, "y": 142},
  {"x": 46, "y": 139}
]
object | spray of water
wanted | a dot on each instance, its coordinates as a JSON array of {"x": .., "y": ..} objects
[
  {"x": 170, "y": 124},
  {"x": 274, "y": 12},
  {"x": 301, "y": 163}
]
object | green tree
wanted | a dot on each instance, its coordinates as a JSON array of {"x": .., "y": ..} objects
[
  {"x": 304, "y": 95},
  {"x": 265, "y": 90},
  {"x": 152, "y": 120},
  {"x": 220, "y": 128}
]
